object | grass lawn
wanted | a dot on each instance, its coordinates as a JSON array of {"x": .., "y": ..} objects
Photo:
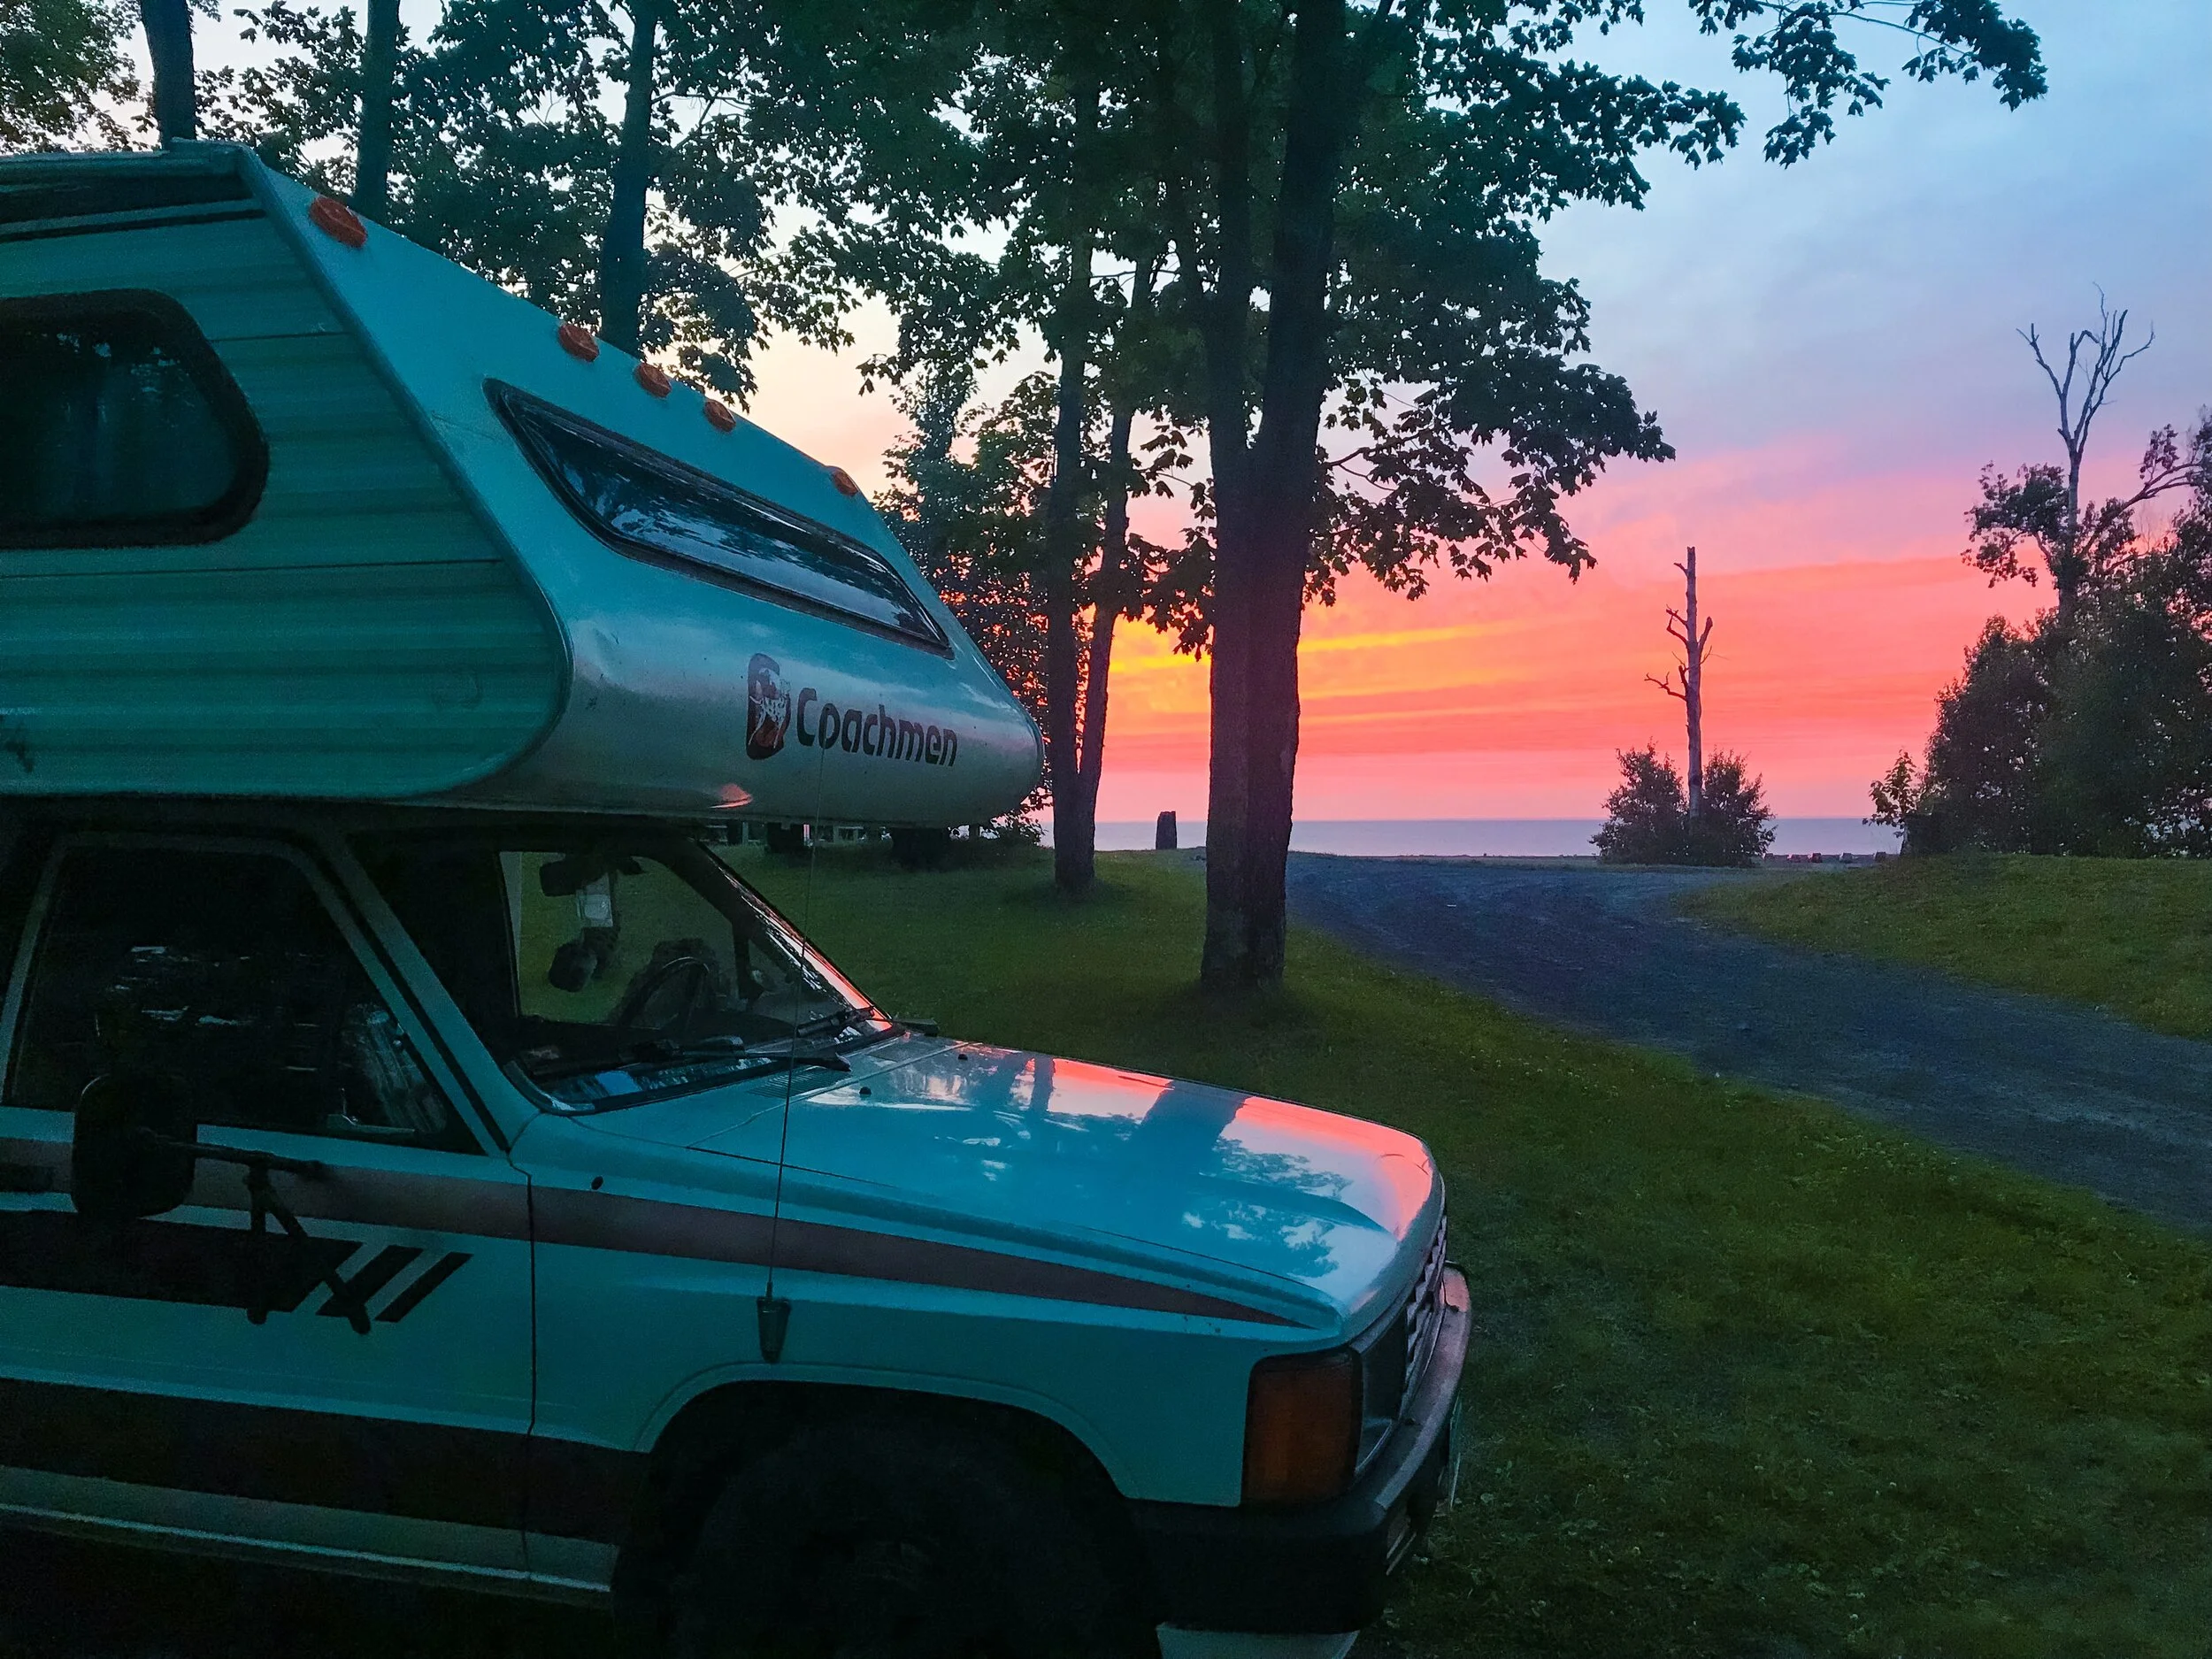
[
  {"x": 2131, "y": 934},
  {"x": 1751, "y": 1378}
]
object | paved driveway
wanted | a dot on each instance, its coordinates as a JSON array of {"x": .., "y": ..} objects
[{"x": 2065, "y": 1092}]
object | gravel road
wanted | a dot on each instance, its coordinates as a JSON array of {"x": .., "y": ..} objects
[{"x": 2061, "y": 1090}]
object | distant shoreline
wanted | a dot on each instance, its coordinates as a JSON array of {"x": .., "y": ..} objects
[{"x": 1488, "y": 838}]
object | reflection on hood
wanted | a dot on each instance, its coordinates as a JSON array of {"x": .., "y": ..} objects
[{"x": 1028, "y": 1141}]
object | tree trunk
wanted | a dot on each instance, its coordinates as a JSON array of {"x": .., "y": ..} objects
[
  {"x": 1266, "y": 533},
  {"x": 622, "y": 255},
  {"x": 1073, "y": 834},
  {"x": 1107, "y": 599},
  {"x": 169, "y": 45},
  {"x": 1692, "y": 688},
  {"x": 379, "y": 69}
]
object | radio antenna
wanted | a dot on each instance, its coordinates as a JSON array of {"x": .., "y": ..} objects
[{"x": 775, "y": 1312}]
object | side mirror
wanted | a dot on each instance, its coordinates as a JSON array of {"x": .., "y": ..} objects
[{"x": 132, "y": 1152}]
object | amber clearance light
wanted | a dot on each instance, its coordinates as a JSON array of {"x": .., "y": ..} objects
[{"x": 1302, "y": 1425}]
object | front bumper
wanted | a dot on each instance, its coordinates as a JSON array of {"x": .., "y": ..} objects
[{"x": 1324, "y": 1567}]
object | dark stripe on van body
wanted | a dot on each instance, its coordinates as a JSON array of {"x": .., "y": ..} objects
[
  {"x": 606, "y": 1221},
  {"x": 161, "y": 1261},
  {"x": 427, "y": 1472},
  {"x": 646, "y": 1227}
]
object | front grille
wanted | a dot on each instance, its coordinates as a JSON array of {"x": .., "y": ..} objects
[
  {"x": 1396, "y": 1354},
  {"x": 1424, "y": 1314}
]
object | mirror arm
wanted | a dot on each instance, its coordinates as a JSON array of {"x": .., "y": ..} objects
[{"x": 263, "y": 1202}]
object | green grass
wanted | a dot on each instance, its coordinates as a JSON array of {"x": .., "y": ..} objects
[
  {"x": 2131, "y": 935},
  {"x": 1751, "y": 1377}
]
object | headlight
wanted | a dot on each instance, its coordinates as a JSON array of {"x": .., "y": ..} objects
[{"x": 1301, "y": 1427}]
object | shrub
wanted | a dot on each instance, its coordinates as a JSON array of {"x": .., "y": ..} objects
[{"x": 1647, "y": 819}]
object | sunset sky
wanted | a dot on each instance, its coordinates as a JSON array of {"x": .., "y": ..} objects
[{"x": 1832, "y": 351}]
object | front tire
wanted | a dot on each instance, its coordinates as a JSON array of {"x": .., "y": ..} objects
[{"x": 877, "y": 1540}]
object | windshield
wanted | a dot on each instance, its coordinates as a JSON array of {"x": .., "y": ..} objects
[{"x": 608, "y": 970}]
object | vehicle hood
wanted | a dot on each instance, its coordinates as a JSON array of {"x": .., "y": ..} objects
[{"x": 1191, "y": 1176}]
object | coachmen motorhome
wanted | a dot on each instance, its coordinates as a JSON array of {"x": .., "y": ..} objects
[{"x": 421, "y": 1155}]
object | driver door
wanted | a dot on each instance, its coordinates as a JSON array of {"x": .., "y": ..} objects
[{"x": 363, "y": 1394}]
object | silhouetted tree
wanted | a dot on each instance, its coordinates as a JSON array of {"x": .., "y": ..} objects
[
  {"x": 60, "y": 60},
  {"x": 2089, "y": 730},
  {"x": 2037, "y": 516}
]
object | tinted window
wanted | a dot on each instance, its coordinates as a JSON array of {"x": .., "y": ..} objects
[
  {"x": 223, "y": 970},
  {"x": 645, "y": 503},
  {"x": 118, "y": 427}
]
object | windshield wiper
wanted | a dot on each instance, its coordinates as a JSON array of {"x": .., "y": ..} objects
[
  {"x": 667, "y": 1051},
  {"x": 791, "y": 1059}
]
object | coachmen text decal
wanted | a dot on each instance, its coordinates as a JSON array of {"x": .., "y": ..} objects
[{"x": 771, "y": 714}]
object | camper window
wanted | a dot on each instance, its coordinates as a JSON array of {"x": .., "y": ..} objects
[
  {"x": 645, "y": 504},
  {"x": 121, "y": 426}
]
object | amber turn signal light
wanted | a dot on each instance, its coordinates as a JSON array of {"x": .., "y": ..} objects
[
  {"x": 1302, "y": 1425},
  {"x": 338, "y": 222},
  {"x": 578, "y": 342}
]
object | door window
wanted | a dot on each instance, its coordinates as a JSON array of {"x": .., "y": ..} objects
[
  {"x": 223, "y": 970},
  {"x": 121, "y": 426}
]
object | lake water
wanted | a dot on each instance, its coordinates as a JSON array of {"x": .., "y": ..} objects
[{"x": 1495, "y": 837}]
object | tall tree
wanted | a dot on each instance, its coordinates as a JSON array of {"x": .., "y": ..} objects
[
  {"x": 1696, "y": 643},
  {"x": 1062, "y": 174},
  {"x": 1373, "y": 171},
  {"x": 59, "y": 60},
  {"x": 2036, "y": 515}
]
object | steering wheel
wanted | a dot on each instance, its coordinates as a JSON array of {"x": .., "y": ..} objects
[{"x": 649, "y": 984}]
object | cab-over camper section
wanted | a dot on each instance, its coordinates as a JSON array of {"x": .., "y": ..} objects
[{"x": 490, "y": 561}]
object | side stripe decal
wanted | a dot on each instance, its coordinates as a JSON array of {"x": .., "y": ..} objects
[
  {"x": 609, "y": 1221},
  {"x": 411, "y": 1298}
]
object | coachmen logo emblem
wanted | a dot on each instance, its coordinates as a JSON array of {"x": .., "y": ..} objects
[
  {"x": 772, "y": 712},
  {"x": 767, "y": 707}
]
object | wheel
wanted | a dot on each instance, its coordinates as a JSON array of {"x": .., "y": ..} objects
[{"x": 876, "y": 1540}]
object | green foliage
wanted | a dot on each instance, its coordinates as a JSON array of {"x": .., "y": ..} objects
[
  {"x": 1749, "y": 1377},
  {"x": 971, "y": 523},
  {"x": 2134, "y": 936},
  {"x": 507, "y": 125},
  {"x": 60, "y": 60},
  {"x": 1648, "y": 817}
]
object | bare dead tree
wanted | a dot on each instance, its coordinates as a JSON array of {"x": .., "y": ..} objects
[
  {"x": 1696, "y": 643},
  {"x": 2107, "y": 359},
  {"x": 2039, "y": 510}
]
